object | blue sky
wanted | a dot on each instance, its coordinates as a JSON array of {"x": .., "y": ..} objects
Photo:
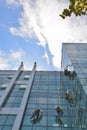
[{"x": 33, "y": 31}]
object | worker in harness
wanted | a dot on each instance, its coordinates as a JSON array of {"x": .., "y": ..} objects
[
  {"x": 36, "y": 116},
  {"x": 69, "y": 98},
  {"x": 59, "y": 115},
  {"x": 69, "y": 71},
  {"x": 59, "y": 111}
]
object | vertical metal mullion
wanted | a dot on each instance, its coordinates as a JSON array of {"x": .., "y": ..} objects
[{"x": 19, "y": 117}]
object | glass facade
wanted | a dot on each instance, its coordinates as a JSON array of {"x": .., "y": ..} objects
[
  {"x": 4, "y": 81},
  {"x": 60, "y": 95},
  {"x": 77, "y": 55},
  {"x": 15, "y": 97},
  {"x": 44, "y": 95},
  {"x": 48, "y": 91},
  {"x": 6, "y": 122},
  {"x": 23, "y": 74}
]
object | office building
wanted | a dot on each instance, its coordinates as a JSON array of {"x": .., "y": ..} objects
[{"x": 24, "y": 91}]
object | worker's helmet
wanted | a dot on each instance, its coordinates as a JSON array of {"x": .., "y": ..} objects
[{"x": 56, "y": 107}]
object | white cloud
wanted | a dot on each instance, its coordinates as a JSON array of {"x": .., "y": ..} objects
[
  {"x": 46, "y": 56},
  {"x": 3, "y": 63},
  {"x": 10, "y": 60},
  {"x": 12, "y": 2},
  {"x": 16, "y": 55},
  {"x": 41, "y": 19}
]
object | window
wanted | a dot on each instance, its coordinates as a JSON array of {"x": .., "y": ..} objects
[
  {"x": 26, "y": 77},
  {"x": 23, "y": 86},
  {"x": 10, "y": 76},
  {"x": 4, "y": 86}
]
